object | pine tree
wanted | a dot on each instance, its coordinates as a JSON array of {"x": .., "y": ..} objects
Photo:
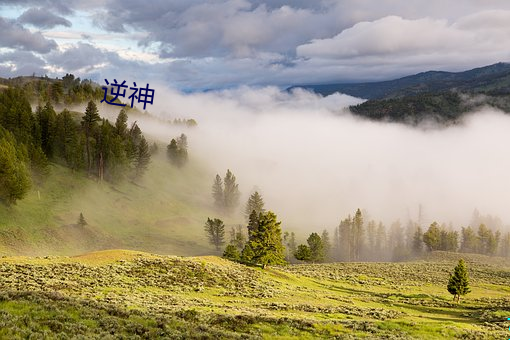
[
  {"x": 255, "y": 203},
  {"x": 67, "y": 140},
  {"x": 432, "y": 237},
  {"x": 143, "y": 158},
  {"x": 326, "y": 243},
  {"x": 253, "y": 224},
  {"x": 381, "y": 241},
  {"x": 345, "y": 233},
  {"x": 458, "y": 283},
  {"x": 289, "y": 239},
  {"x": 89, "y": 122},
  {"x": 14, "y": 175},
  {"x": 231, "y": 253},
  {"x": 418, "y": 241},
  {"x": 303, "y": 253},
  {"x": 247, "y": 254},
  {"x": 357, "y": 234},
  {"x": 237, "y": 237},
  {"x": 231, "y": 192},
  {"x": 316, "y": 247},
  {"x": 81, "y": 220},
  {"x": 470, "y": 243},
  {"x": 266, "y": 241},
  {"x": 121, "y": 126},
  {"x": 177, "y": 151},
  {"x": 215, "y": 230},
  {"x": 217, "y": 193}
]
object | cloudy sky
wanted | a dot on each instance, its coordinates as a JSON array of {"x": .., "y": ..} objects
[{"x": 199, "y": 44}]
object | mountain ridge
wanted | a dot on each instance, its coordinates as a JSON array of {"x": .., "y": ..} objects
[{"x": 491, "y": 78}]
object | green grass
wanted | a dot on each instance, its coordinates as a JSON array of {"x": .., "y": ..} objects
[
  {"x": 140, "y": 295},
  {"x": 164, "y": 212}
]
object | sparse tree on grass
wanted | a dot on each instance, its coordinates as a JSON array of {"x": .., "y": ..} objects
[
  {"x": 266, "y": 241},
  {"x": 458, "y": 284},
  {"x": 215, "y": 230},
  {"x": 81, "y": 220}
]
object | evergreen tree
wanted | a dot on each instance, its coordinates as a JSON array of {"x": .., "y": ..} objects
[
  {"x": 215, "y": 230},
  {"x": 505, "y": 245},
  {"x": 232, "y": 253},
  {"x": 14, "y": 176},
  {"x": 89, "y": 122},
  {"x": 46, "y": 119},
  {"x": 357, "y": 235},
  {"x": 121, "y": 126},
  {"x": 247, "y": 254},
  {"x": 266, "y": 241},
  {"x": 143, "y": 158},
  {"x": 303, "y": 253},
  {"x": 217, "y": 193},
  {"x": 255, "y": 203},
  {"x": 67, "y": 140},
  {"x": 418, "y": 241},
  {"x": 470, "y": 243},
  {"x": 316, "y": 247},
  {"x": 336, "y": 245},
  {"x": 326, "y": 243},
  {"x": 458, "y": 283},
  {"x": 432, "y": 237},
  {"x": 231, "y": 192},
  {"x": 345, "y": 232},
  {"x": 237, "y": 237},
  {"x": 177, "y": 151},
  {"x": 289, "y": 241},
  {"x": 381, "y": 239},
  {"x": 81, "y": 220},
  {"x": 371, "y": 238}
]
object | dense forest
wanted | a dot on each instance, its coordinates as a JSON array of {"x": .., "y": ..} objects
[
  {"x": 84, "y": 142},
  {"x": 443, "y": 97}
]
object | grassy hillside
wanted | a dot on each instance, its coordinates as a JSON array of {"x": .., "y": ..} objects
[
  {"x": 164, "y": 213},
  {"x": 139, "y": 295}
]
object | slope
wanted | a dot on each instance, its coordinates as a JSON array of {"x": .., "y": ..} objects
[
  {"x": 140, "y": 295},
  {"x": 164, "y": 212}
]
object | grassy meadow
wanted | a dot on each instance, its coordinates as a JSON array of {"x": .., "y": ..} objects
[{"x": 136, "y": 295}]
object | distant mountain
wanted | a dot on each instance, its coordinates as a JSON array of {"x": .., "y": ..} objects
[{"x": 493, "y": 79}]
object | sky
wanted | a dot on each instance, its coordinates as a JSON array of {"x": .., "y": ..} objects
[{"x": 194, "y": 45}]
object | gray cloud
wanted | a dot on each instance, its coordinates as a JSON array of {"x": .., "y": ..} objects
[
  {"x": 15, "y": 36},
  {"x": 80, "y": 56},
  {"x": 42, "y": 18},
  {"x": 21, "y": 62},
  {"x": 60, "y": 6}
]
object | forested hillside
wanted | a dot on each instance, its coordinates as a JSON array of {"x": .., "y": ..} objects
[{"x": 443, "y": 97}]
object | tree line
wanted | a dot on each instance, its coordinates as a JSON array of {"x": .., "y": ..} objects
[
  {"x": 357, "y": 240},
  {"x": 83, "y": 142}
]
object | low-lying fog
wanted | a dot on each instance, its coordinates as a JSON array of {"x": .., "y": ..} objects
[{"x": 315, "y": 163}]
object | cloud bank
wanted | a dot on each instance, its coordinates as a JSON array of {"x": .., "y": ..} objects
[{"x": 315, "y": 163}]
